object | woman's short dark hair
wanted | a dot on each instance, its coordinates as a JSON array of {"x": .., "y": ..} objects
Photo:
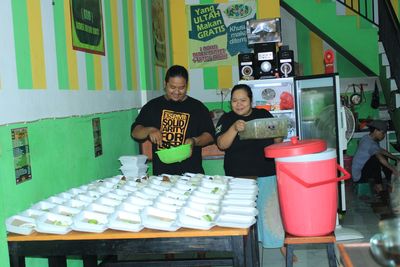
[
  {"x": 177, "y": 71},
  {"x": 244, "y": 87}
]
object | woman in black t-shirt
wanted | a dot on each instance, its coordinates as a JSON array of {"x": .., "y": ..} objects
[{"x": 246, "y": 158}]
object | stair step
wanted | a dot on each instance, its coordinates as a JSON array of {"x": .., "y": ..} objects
[
  {"x": 393, "y": 85},
  {"x": 388, "y": 72},
  {"x": 385, "y": 61},
  {"x": 381, "y": 48}
]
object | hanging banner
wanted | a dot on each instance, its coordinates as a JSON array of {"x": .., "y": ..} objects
[
  {"x": 158, "y": 21},
  {"x": 217, "y": 32},
  {"x": 87, "y": 26}
]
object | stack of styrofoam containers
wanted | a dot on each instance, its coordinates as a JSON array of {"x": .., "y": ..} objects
[{"x": 133, "y": 166}]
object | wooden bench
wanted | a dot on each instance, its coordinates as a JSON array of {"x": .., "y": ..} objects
[{"x": 328, "y": 240}]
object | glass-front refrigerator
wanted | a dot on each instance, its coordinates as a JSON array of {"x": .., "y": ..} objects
[{"x": 312, "y": 106}]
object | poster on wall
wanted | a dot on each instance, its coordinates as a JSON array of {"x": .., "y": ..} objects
[
  {"x": 217, "y": 32},
  {"x": 98, "y": 146},
  {"x": 22, "y": 161},
  {"x": 87, "y": 26},
  {"x": 158, "y": 26}
]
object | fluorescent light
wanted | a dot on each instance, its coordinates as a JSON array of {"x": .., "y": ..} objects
[{"x": 267, "y": 84}]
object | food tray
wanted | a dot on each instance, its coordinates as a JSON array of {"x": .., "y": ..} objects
[
  {"x": 32, "y": 213},
  {"x": 138, "y": 201},
  {"x": 65, "y": 210},
  {"x": 65, "y": 195},
  {"x": 103, "y": 209},
  {"x": 201, "y": 194},
  {"x": 151, "y": 192},
  {"x": 137, "y": 159},
  {"x": 201, "y": 200},
  {"x": 95, "y": 194},
  {"x": 235, "y": 221},
  {"x": 128, "y": 207},
  {"x": 83, "y": 197},
  {"x": 170, "y": 201},
  {"x": 239, "y": 210},
  {"x": 89, "y": 221},
  {"x": 188, "y": 221},
  {"x": 203, "y": 207},
  {"x": 112, "y": 195},
  {"x": 125, "y": 221},
  {"x": 240, "y": 196},
  {"x": 167, "y": 207},
  {"x": 144, "y": 196},
  {"x": 239, "y": 202},
  {"x": 121, "y": 192},
  {"x": 154, "y": 218},
  {"x": 158, "y": 187},
  {"x": 43, "y": 206},
  {"x": 77, "y": 204},
  {"x": 75, "y": 191},
  {"x": 129, "y": 188},
  {"x": 178, "y": 196},
  {"x": 108, "y": 201},
  {"x": 211, "y": 190},
  {"x": 19, "y": 224},
  {"x": 52, "y": 223},
  {"x": 201, "y": 215}
]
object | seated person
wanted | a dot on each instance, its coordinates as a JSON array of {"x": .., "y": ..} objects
[{"x": 370, "y": 159}]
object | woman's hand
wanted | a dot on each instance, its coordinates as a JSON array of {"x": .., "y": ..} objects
[
  {"x": 155, "y": 136},
  {"x": 239, "y": 125}
]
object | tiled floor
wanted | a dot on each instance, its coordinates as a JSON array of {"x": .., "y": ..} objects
[{"x": 359, "y": 216}]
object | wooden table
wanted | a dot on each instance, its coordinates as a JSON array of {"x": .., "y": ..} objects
[
  {"x": 356, "y": 254},
  {"x": 242, "y": 243}
]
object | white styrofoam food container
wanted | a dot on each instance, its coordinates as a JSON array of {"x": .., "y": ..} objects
[
  {"x": 53, "y": 223},
  {"x": 89, "y": 221},
  {"x": 125, "y": 221},
  {"x": 137, "y": 159},
  {"x": 19, "y": 224}
]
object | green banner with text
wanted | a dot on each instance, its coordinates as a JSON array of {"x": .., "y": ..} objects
[
  {"x": 217, "y": 32},
  {"x": 87, "y": 26}
]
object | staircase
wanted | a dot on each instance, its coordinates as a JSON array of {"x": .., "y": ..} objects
[{"x": 358, "y": 42}]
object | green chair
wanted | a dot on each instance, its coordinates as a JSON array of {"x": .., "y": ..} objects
[{"x": 363, "y": 189}]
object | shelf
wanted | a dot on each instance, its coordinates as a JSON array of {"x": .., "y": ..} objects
[{"x": 281, "y": 111}]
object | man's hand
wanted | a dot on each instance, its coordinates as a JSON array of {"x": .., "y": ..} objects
[{"x": 155, "y": 136}]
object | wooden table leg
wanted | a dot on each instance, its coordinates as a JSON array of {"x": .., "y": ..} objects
[
  {"x": 17, "y": 261},
  {"x": 89, "y": 261},
  {"x": 57, "y": 261},
  {"x": 238, "y": 251}
]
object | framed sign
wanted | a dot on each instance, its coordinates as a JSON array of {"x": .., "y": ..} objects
[
  {"x": 87, "y": 26},
  {"x": 22, "y": 160},
  {"x": 98, "y": 146}
]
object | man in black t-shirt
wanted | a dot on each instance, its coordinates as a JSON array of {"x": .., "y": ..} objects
[{"x": 172, "y": 120}]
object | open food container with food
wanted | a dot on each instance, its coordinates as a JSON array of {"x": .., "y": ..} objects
[
  {"x": 19, "y": 224},
  {"x": 53, "y": 223},
  {"x": 125, "y": 221},
  {"x": 158, "y": 219},
  {"x": 89, "y": 221}
]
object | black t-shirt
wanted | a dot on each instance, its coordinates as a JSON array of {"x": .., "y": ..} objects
[
  {"x": 246, "y": 157},
  {"x": 177, "y": 121}
]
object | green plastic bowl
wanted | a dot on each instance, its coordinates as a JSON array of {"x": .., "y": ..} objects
[{"x": 174, "y": 154}]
